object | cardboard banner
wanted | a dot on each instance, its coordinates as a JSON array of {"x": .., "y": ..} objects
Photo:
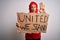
[{"x": 32, "y": 22}]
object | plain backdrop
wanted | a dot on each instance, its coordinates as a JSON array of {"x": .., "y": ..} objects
[{"x": 8, "y": 19}]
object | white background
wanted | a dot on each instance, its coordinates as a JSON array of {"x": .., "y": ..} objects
[{"x": 8, "y": 19}]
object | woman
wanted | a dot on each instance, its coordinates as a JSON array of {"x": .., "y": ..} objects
[{"x": 33, "y": 8}]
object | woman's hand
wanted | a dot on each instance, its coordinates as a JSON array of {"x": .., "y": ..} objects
[
  {"x": 18, "y": 24},
  {"x": 42, "y": 8}
]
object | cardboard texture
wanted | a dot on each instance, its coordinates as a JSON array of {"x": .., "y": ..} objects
[{"x": 32, "y": 22}]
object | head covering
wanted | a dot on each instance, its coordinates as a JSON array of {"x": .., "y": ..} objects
[{"x": 31, "y": 5}]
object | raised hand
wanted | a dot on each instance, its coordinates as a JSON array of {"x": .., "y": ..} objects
[{"x": 42, "y": 8}]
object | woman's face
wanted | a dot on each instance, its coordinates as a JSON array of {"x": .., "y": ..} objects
[{"x": 33, "y": 8}]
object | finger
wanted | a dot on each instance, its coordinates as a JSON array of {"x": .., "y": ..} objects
[{"x": 18, "y": 30}]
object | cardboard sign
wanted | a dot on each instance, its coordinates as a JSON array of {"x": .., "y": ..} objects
[{"x": 32, "y": 22}]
